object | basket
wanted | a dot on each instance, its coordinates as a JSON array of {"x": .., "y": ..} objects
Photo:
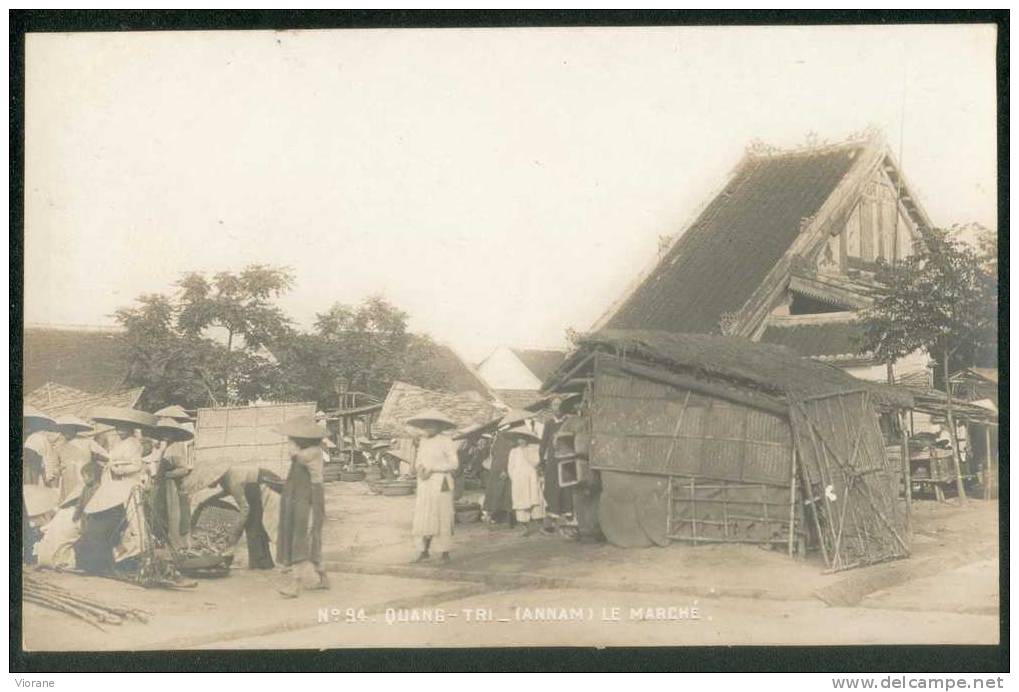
[
  {"x": 206, "y": 566},
  {"x": 391, "y": 490},
  {"x": 468, "y": 516},
  {"x": 351, "y": 476}
]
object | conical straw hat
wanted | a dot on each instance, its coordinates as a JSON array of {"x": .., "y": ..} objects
[
  {"x": 431, "y": 415},
  {"x": 302, "y": 427},
  {"x": 171, "y": 430},
  {"x": 176, "y": 412}
]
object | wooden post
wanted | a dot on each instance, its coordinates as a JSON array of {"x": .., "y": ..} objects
[
  {"x": 792, "y": 502},
  {"x": 907, "y": 473},
  {"x": 952, "y": 436}
]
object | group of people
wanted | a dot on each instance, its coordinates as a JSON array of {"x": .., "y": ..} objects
[
  {"x": 95, "y": 493},
  {"x": 523, "y": 485},
  {"x": 98, "y": 495}
]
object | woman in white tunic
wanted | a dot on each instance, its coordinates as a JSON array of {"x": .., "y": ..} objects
[
  {"x": 525, "y": 489},
  {"x": 434, "y": 465},
  {"x": 114, "y": 527}
]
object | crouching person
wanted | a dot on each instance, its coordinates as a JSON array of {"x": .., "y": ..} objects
[{"x": 302, "y": 508}]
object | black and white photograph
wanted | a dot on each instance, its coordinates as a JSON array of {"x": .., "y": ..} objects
[{"x": 419, "y": 337}]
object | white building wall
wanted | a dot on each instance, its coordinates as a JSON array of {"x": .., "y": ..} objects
[
  {"x": 917, "y": 361},
  {"x": 503, "y": 370}
]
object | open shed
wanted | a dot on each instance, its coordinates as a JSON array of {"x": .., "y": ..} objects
[{"x": 701, "y": 438}]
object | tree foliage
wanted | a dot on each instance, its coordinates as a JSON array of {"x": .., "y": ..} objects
[
  {"x": 222, "y": 340},
  {"x": 359, "y": 348},
  {"x": 942, "y": 299},
  {"x": 174, "y": 355}
]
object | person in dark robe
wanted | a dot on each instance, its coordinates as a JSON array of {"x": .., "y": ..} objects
[
  {"x": 558, "y": 500},
  {"x": 498, "y": 498},
  {"x": 170, "y": 464},
  {"x": 302, "y": 507}
]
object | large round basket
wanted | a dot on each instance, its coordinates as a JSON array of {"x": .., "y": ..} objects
[
  {"x": 393, "y": 489},
  {"x": 351, "y": 476}
]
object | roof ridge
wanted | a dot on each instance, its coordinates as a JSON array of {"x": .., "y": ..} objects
[{"x": 871, "y": 136}]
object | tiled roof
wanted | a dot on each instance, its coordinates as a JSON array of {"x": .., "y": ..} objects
[
  {"x": 517, "y": 398},
  {"x": 739, "y": 237},
  {"x": 541, "y": 362},
  {"x": 89, "y": 360},
  {"x": 60, "y": 400},
  {"x": 815, "y": 340},
  {"x": 404, "y": 400}
]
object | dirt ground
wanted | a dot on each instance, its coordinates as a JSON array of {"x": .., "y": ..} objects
[{"x": 504, "y": 589}]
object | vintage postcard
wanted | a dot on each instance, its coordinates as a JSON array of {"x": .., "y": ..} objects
[{"x": 487, "y": 337}]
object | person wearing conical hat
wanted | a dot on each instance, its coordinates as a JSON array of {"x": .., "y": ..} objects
[
  {"x": 71, "y": 456},
  {"x": 302, "y": 507},
  {"x": 170, "y": 463},
  {"x": 114, "y": 523},
  {"x": 434, "y": 465},
  {"x": 528, "y": 503},
  {"x": 39, "y": 461}
]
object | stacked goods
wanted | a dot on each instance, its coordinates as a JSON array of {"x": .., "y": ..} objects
[{"x": 40, "y": 592}]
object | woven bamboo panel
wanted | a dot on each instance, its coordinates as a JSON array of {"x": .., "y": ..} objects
[
  {"x": 728, "y": 512},
  {"x": 854, "y": 488},
  {"x": 650, "y": 427},
  {"x": 244, "y": 435}
]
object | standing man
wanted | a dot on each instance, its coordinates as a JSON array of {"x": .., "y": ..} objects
[
  {"x": 528, "y": 504},
  {"x": 434, "y": 465},
  {"x": 302, "y": 506},
  {"x": 558, "y": 500}
]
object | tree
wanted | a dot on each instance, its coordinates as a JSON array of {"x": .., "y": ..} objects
[
  {"x": 357, "y": 347},
  {"x": 174, "y": 356},
  {"x": 241, "y": 304},
  {"x": 942, "y": 299}
]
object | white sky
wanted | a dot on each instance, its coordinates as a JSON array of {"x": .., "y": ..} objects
[{"x": 499, "y": 185}]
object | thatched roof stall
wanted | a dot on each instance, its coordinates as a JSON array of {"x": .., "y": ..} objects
[{"x": 702, "y": 438}]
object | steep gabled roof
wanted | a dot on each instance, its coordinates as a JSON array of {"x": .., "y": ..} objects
[
  {"x": 542, "y": 362},
  {"x": 725, "y": 255},
  {"x": 455, "y": 373},
  {"x": 92, "y": 360}
]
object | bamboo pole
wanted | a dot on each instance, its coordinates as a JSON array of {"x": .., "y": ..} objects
[
  {"x": 907, "y": 474},
  {"x": 952, "y": 435},
  {"x": 792, "y": 501}
]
